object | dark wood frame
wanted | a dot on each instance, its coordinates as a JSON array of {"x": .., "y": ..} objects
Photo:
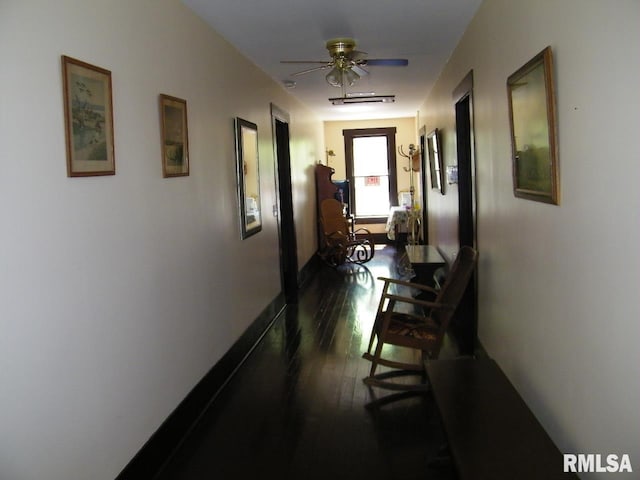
[
  {"x": 390, "y": 133},
  {"x": 535, "y": 165},
  {"x": 436, "y": 167},
  {"x": 88, "y": 112},
  {"x": 247, "y": 228},
  {"x": 284, "y": 200},
  {"x": 175, "y": 136}
]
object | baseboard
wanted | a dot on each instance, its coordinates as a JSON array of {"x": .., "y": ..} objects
[{"x": 164, "y": 442}]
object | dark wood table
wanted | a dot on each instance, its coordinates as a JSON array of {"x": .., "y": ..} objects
[
  {"x": 491, "y": 432},
  {"x": 425, "y": 260}
]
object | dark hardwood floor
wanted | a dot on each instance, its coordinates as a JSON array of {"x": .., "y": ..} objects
[{"x": 297, "y": 407}]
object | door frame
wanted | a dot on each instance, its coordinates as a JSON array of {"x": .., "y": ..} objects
[
  {"x": 424, "y": 165},
  {"x": 388, "y": 132},
  {"x": 462, "y": 97},
  {"x": 283, "y": 208}
]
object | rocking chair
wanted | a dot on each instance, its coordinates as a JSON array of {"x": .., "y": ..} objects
[
  {"x": 422, "y": 329},
  {"x": 340, "y": 243}
]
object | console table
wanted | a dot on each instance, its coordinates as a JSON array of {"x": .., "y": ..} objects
[
  {"x": 425, "y": 260},
  {"x": 492, "y": 434}
]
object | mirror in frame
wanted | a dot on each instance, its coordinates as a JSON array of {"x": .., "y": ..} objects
[
  {"x": 248, "y": 172},
  {"x": 435, "y": 160}
]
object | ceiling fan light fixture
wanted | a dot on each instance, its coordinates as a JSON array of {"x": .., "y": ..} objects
[
  {"x": 350, "y": 77},
  {"x": 334, "y": 77}
]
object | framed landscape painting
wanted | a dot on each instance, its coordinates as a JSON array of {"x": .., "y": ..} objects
[
  {"x": 175, "y": 138},
  {"x": 532, "y": 114},
  {"x": 88, "y": 112}
]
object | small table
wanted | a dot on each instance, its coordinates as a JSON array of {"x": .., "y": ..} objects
[
  {"x": 425, "y": 260},
  {"x": 492, "y": 434},
  {"x": 397, "y": 222}
]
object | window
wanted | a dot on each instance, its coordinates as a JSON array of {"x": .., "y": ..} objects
[{"x": 370, "y": 159}]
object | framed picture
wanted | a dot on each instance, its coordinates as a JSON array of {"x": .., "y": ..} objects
[
  {"x": 248, "y": 170},
  {"x": 175, "y": 138},
  {"x": 532, "y": 115},
  {"x": 88, "y": 113},
  {"x": 434, "y": 151}
]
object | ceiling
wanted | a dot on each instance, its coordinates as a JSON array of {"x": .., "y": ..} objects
[{"x": 423, "y": 31}]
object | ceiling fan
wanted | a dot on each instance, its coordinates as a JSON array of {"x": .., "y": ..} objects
[{"x": 346, "y": 64}]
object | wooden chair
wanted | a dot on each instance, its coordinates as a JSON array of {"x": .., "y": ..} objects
[
  {"x": 340, "y": 243},
  {"x": 422, "y": 328}
]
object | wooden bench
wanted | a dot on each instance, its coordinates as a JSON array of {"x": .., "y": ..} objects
[{"x": 491, "y": 433}]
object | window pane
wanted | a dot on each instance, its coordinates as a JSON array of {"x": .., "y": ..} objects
[
  {"x": 372, "y": 193},
  {"x": 370, "y": 156}
]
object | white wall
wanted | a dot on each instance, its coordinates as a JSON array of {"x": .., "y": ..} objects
[
  {"x": 558, "y": 284},
  {"x": 119, "y": 293}
]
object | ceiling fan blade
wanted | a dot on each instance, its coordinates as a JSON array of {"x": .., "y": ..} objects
[
  {"x": 309, "y": 70},
  {"x": 357, "y": 55},
  {"x": 385, "y": 62},
  {"x": 303, "y": 61}
]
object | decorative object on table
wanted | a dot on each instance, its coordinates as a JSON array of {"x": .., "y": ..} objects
[
  {"x": 88, "y": 113},
  {"x": 532, "y": 119},
  {"x": 452, "y": 174},
  {"x": 248, "y": 172},
  {"x": 175, "y": 136},
  {"x": 423, "y": 331},
  {"x": 413, "y": 220},
  {"x": 434, "y": 151},
  {"x": 404, "y": 199}
]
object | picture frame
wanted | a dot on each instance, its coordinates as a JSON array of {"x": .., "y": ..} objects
[
  {"x": 248, "y": 177},
  {"x": 88, "y": 114},
  {"x": 434, "y": 152},
  {"x": 532, "y": 120},
  {"x": 175, "y": 136}
]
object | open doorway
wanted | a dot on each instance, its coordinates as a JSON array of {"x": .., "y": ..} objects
[
  {"x": 284, "y": 206},
  {"x": 465, "y": 325},
  {"x": 371, "y": 170}
]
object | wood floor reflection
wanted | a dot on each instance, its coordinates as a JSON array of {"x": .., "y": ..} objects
[{"x": 296, "y": 409}]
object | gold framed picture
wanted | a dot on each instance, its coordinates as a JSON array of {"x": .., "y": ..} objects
[
  {"x": 88, "y": 113},
  {"x": 532, "y": 116},
  {"x": 175, "y": 136}
]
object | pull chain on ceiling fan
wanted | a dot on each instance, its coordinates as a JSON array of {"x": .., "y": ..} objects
[{"x": 346, "y": 64}]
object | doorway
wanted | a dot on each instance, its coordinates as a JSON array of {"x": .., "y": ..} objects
[
  {"x": 465, "y": 324},
  {"x": 371, "y": 171},
  {"x": 284, "y": 206}
]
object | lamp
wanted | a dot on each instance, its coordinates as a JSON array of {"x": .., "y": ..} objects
[{"x": 329, "y": 153}]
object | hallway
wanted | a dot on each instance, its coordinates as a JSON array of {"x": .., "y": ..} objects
[{"x": 296, "y": 407}]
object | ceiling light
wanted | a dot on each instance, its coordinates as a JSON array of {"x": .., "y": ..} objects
[
  {"x": 360, "y": 94},
  {"x": 334, "y": 77},
  {"x": 350, "y": 77},
  {"x": 342, "y": 74},
  {"x": 371, "y": 99}
]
